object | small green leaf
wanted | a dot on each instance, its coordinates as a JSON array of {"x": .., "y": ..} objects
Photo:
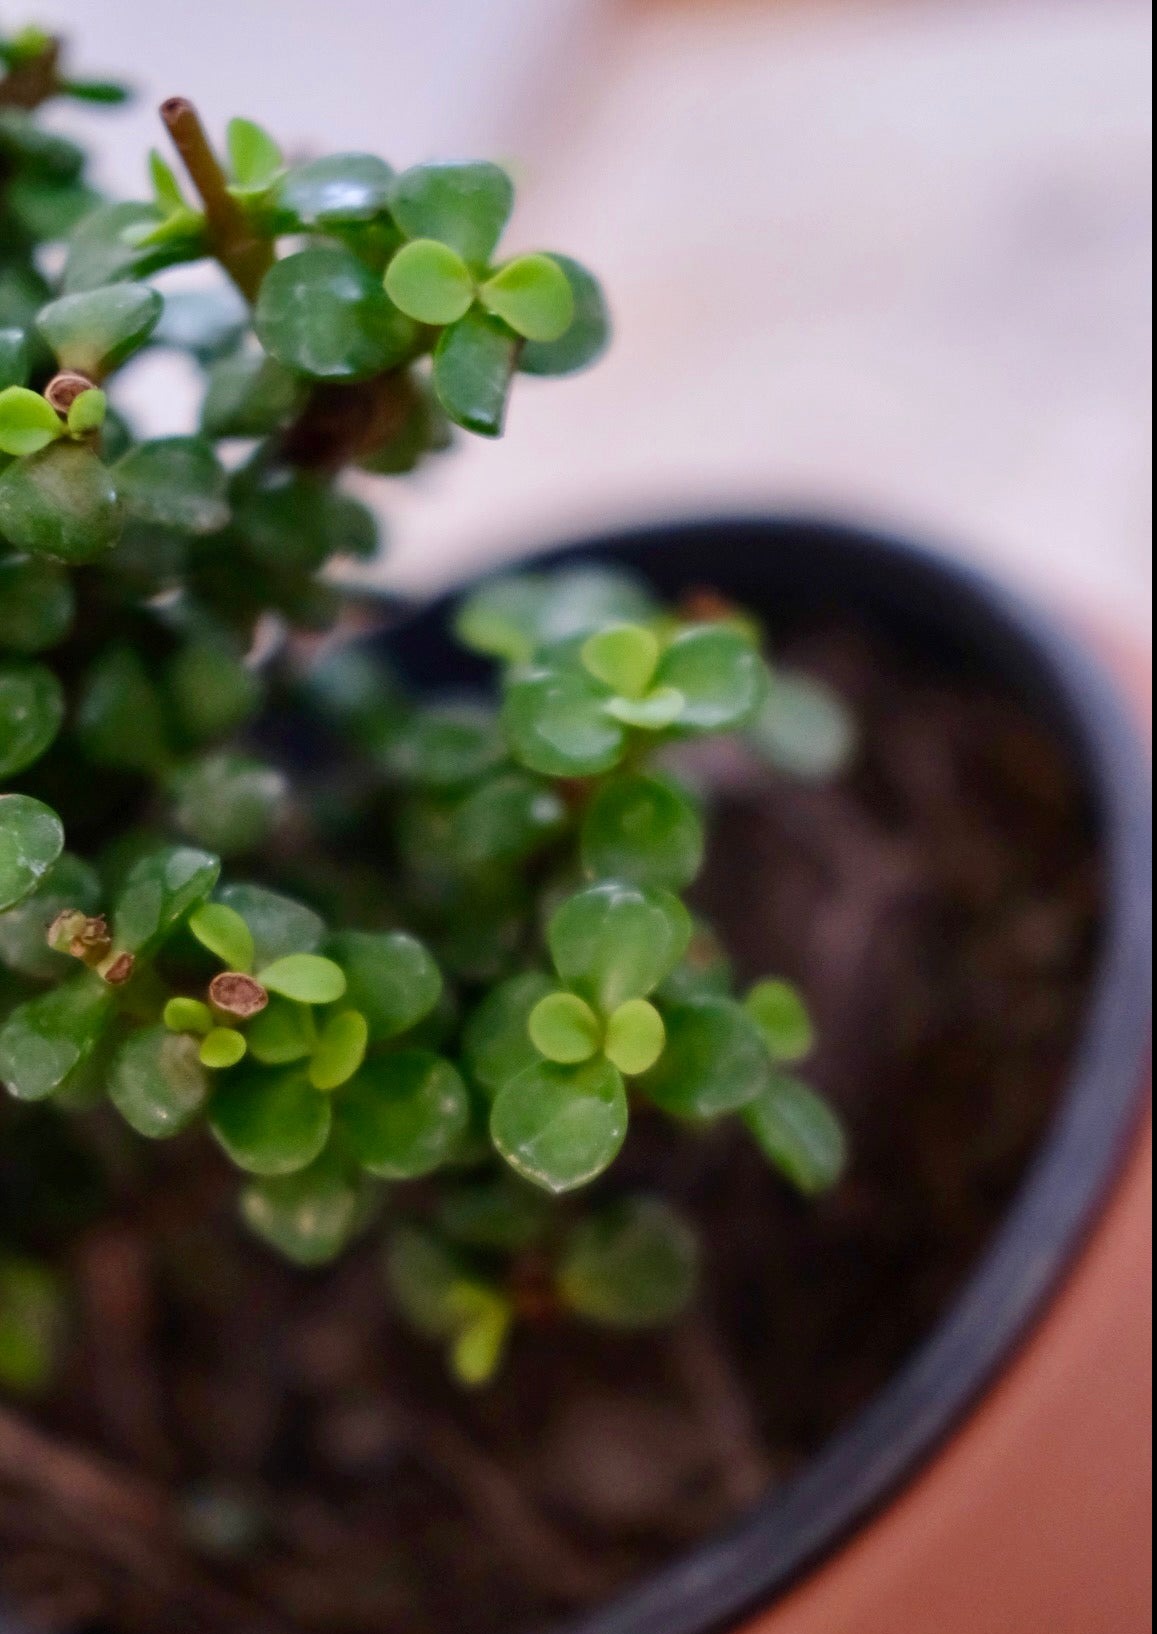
[
  {"x": 465, "y": 206},
  {"x": 283, "y": 1034},
  {"x": 249, "y": 395},
  {"x": 623, "y": 657},
  {"x": 37, "y": 605},
  {"x": 323, "y": 314},
  {"x": 121, "y": 718},
  {"x": 715, "y": 1061},
  {"x": 60, "y": 502},
  {"x": 27, "y": 422},
  {"x": 31, "y": 714},
  {"x": 392, "y": 980},
  {"x": 589, "y": 334},
  {"x": 87, "y": 413},
  {"x": 45, "y": 1041},
  {"x": 311, "y": 1216},
  {"x": 96, "y": 331},
  {"x": 157, "y": 1083},
  {"x": 213, "y": 689},
  {"x": 615, "y": 942},
  {"x": 254, "y": 157},
  {"x": 225, "y": 934},
  {"x": 720, "y": 673},
  {"x": 496, "y": 1044},
  {"x": 31, "y": 841},
  {"x": 15, "y": 361},
  {"x": 404, "y": 1115},
  {"x": 556, "y": 723},
  {"x": 474, "y": 366},
  {"x": 636, "y": 1037},
  {"x": 183, "y": 1015},
  {"x": 430, "y": 282},
  {"x": 279, "y": 925},
  {"x": 340, "y": 1050},
  {"x": 166, "y": 188},
  {"x": 270, "y": 1123},
  {"x": 223, "y": 1048},
  {"x": 103, "y": 93},
  {"x": 804, "y": 729},
  {"x": 643, "y": 830},
  {"x": 342, "y": 189},
  {"x": 159, "y": 893},
  {"x": 99, "y": 252},
  {"x": 634, "y": 1265},
  {"x": 779, "y": 1011},
  {"x": 444, "y": 746},
  {"x": 800, "y": 1134},
  {"x": 660, "y": 709},
  {"x": 32, "y": 1325},
  {"x": 533, "y": 295},
  {"x": 565, "y": 1029},
  {"x": 507, "y": 819},
  {"x": 561, "y": 1127},
  {"x": 499, "y": 1214},
  {"x": 305, "y": 977},
  {"x": 229, "y": 803},
  {"x": 174, "y": 482}
]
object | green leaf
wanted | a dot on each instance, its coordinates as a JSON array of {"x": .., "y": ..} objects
[
  {"x": 37, "y": 604},
  {"x": 69, "y": 885},
  {"x": 95, "y": 331},
  {"x": 405, "y": 1115},
  {"x": 427, "y": 1281},
  {"x": 249, "y": 395},
  {"x": 305, "y": 977},
  {"x": 159, "y": 893},
  {"x": 15, "y": 361},
  {"x": 87, "y": 413},
  {"x": 430, "y": 282},
  {"x": 499, "y": 1214},
  {"x": 157, "y": 1082},
  {"x": 32, "y": 1324},
  {"x": 99, "y": 252},
  {"x": 660, "y": 709},
  {"x": 323, "y": 314},
  {"x": 27, "y": 422},
  {"x": 474, "y": 366},
  {"x": 715, "y": 1061},
  {"x": 294, "y": 520},
  {"x": 615, "y": 942},
  {"x": 496, "y": 1044},
  {"x": 229, "y": 803},
  {"x": 465, "y": 206},
  {"x": 254, "y": 157},
  {"x": 636, "y": 1037},
  {"x": 589, "y": 334},
  {"x": 556, "y": 722},
  {"x": 279, "y": 925},
  {"x": 804, "y": 729},
  {"x": 513, "y": 617},
  {"x": 533, "y": 295},
  {"x": 634, "y": 1265},
  {"x": 800, "y": 1134},
  {"x": 31, "y": 714},
  {"x": 166, "y": 188},
  {"x": 643, "y": 830},
  {"x": 188, "y": 1016},
  {"x": 311, "y": 1216},
  {"x": 283, "y": 1034},
  {"x": 31, "y": 841},
  {"x": 392, "y": 980},
  {"x": 270, "y": 1123},
  {"x": 223, "y": 1048},
  {"x": 213, "y": 689},
  {"x": 444, "y": 746},
  {"x": 60, "y": 502},
  {"x": 226, "y": 935},
  {"x": 174, "y": 482},
  {"x": 565, "y": 1029},
  {"x": 103, "y": 93},
  {"x": 705, "y": 972},
  {"x": 45, "y": 1041},
  {"x": 340, "y": 1050},
  {"x": 344, "y": 188},
  {"x": 720, "y": 673},
  {"x": 561, "y": 1127},
  {"x": 506, "y": 819},
  {"x": 121, "y": 719},
  {"x": 779, "y": 1011},
  {"x": 623, "y": 657},
  {"x": 480, "y": 1347}
]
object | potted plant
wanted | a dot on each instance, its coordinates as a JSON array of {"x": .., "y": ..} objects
[{"x": 555, "y": 1108}]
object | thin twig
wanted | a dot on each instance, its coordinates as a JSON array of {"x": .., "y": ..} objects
[{"x": 243, "y": 254}]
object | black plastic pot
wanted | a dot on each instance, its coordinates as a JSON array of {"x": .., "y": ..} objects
[{"x": 924, "y": 604}]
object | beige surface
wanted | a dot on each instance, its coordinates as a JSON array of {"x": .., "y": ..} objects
[{"x": 886, "y": 260}]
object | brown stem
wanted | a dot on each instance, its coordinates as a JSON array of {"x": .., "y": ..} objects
[
  {"x": 341, "y": 424},
  {"x": 244, "y": 254},
  {"x": 34, "y": 82}
]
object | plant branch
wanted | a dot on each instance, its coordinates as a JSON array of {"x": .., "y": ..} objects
[
  {"x": 341, "y": 424},
  {"x": 243, "y": 253},
  {"x": 32, "y": 82}
]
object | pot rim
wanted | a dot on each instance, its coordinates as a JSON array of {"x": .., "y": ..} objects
[{"x": 716, "y": 1585}]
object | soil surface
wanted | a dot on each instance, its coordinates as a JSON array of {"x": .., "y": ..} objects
[{"x": 238, "y": 1446}]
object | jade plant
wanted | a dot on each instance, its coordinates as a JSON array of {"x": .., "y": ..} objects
[{"x": 419, "y": 981}]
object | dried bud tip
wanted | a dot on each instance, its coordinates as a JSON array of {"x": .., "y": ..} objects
[
  {"x": 65, "y": 929},
  {"x": 80, "y": 936},
  {"x": 63, "y": 389},
  {"x": 117, "y": 970},
  {"x": 237, "y": 997}
]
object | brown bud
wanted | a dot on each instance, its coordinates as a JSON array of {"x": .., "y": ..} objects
[
  {"x": 64, "y": 388},
  {"x": 117, "y": 969},
  {"x": 65, "y": 929},
  {"x": 238, "y": 997}
]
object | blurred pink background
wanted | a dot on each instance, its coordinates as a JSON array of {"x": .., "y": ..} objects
[{"x": 884, "y": 259}]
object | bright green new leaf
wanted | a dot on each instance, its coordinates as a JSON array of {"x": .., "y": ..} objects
[
  {"x": 183, "y": 1015},
  {"x": 565, "y": 1029},
  {"x": 430, "y": 282},
  {"x": 283, "y": 1033},
  {"x": 474, "y": 366},
  {"x": 27, "y": 422},
  {"x": 465, "y": 206},
  {"x": 45, "y": 1041},
  {"x": 561, "y": 1127},
  {"x": 636, "y": 1037},
  {"x": 588, "y": 336},
  {"x": 31, "y": 841},
  {"x": 340, "y": 1050},
  {"x": 644, "y": 830},
  {"x": 280, "y": 925},
  {"x": 800, "y": 1134},
  {"x": 781, "y": 1015},
  {"x": 623, "y": 657},
  {"x": 615, "y": 942},
  {"x": 31, "y": 714},
  {"x": 222, "y": 1048},
  {"x": 404, "y": 1115},
  {"x": 306, "y": 977},
  {"x": 633, "y": 1265},
  {"x": 87, "y": 413},
  {"x": 661, "y": 708},
  {"x": 271, "y": 1123},
  {"x": 157, "y": 1083},
  {"x": 61, "y": 502},
  {"x": 223, "y": 931},
  {"x": 254, "y": 158},
  {"x": 533, "y": 295},
  {"x": 96, "y": 331}
]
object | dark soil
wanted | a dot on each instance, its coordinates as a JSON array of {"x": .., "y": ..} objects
[{"x": 237, "y": 1446}]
